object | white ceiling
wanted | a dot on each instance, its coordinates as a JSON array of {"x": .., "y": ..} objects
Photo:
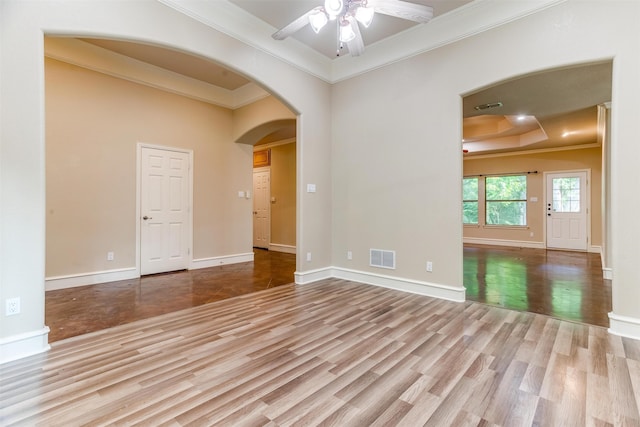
[
  {"x": 560, "y": 100},
  {"x": 279, "y": 13}
]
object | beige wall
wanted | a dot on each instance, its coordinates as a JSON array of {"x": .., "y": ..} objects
[
  {"x": 590, "y": 158},
  {"x": 93, "y": 125},
  {"x": 397, "y": 162},
  {"x": 283, "y": 188}
]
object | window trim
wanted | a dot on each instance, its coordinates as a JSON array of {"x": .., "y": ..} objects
[
  {"x": 476, "y": 201},
  {"x": 482, "y": 198}
]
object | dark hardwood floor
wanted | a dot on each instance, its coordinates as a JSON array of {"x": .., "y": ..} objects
[
  {"x": 563, "y": 284},
  {"x": 75, "y": 311},
  {"x": 566, "y": 285}
]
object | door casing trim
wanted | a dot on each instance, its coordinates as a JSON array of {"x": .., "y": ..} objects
[
  {"x": 587, "y": 195},
  {"x": 139, "y": 147}
]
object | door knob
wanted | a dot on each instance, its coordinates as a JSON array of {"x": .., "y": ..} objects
[{"x": 146, "y": 217}]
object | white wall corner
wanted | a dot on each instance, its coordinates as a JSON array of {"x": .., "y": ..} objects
[
  {"x": 306, "y": 277},
  {"x": 624, "y": 326},
  {"x": 221, "y": 260},
  {"x": 435, "y": 290},
  {"x": 24, "y": 345}
]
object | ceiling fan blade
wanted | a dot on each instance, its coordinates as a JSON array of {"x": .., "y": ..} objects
[
  {"x": 294, "y": 26},
  {"x": 356, "y": 46},
  {"x": 404, "y": 10}
]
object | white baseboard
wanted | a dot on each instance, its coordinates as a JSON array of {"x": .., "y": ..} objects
[
  {"x": 595, "y": 249},
  {"x": 624, "y": 326},
  {"x": 221, "y": 260},
  {"x": 276, "y": 247},
  {"x": 607, "y": 273},
  {"x": 501, "y": 242},
  {"x": 306, "y": 277},
  {"x": 24, "y": 345},
  {"x": 451, "y": 293},
  {"x": 83, "y": 279}
]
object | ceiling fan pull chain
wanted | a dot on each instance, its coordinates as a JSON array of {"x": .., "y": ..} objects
[{"x": 338, "y": 42}]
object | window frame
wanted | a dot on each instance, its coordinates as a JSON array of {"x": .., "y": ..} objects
[
  {"x": 476, "y": 201},
  {"x": 482, "y": 198},
  {"x": 523, "y": 200}
]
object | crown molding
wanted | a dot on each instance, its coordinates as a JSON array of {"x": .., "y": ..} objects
[
  {"x": 274, "y": 144},
  {"x": 536, "y": 151},
  {"x": 95, "y": 58},
  {"x": 235, "y": 22},
  {"x": 466, "y": 21}
]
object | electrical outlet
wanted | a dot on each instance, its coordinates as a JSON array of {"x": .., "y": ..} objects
[
  {"x": 349, "y": 255},
  {"x": 13, "y": 306},
  {"x": 308, "y": 256},
  {"x": 109, "y": 256},
  {"x": 429, "y": 266}
]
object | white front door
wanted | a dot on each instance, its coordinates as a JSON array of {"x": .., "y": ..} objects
[
  {"x": 261, "y": 208},
  {"x": 566, "y": 209},
  {"x": 164, "y": 210}
]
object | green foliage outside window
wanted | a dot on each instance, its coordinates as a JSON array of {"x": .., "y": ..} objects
[
  {"x": 470, "y": 200},
  {"x": 506, "y": 200}
]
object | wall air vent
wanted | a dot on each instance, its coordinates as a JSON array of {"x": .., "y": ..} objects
[
  {"x": 488, "y": 106},
  {"x": 382, "y": 259}
]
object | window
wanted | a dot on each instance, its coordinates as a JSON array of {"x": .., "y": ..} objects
[
  {"x": 470, "y": 200},
  {"x": 566, "y": 194},
  {"x": 506, "y": 200}
]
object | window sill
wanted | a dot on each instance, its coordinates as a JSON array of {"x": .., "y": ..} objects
[{"x": 507, "y": 227}]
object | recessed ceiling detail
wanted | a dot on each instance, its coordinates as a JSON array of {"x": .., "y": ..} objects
[
  {"x": 558, "y": 109},
  {"x": 495, "y": 132}
]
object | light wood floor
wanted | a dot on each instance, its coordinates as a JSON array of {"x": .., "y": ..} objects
[{"x": 331, "y": 353}]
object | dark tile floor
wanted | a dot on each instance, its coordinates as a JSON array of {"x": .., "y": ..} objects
[
  {"x": 76, "y": 311},
  {"x": 566, "y": 285}
]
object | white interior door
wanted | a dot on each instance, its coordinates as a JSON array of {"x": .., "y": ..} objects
[
  {"x": 164, "y": 210},
  {"x": 566, "y": 210},
  {"x": 261, "y": 208}
]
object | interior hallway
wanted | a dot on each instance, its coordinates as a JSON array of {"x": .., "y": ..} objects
[{"x": 566, "y": 285}]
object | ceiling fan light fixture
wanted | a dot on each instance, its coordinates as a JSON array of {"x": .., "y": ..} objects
[
  {"x": 318, "y": 20},
  {"x": 333, "y": 8},
  {"x": 364, "y": 15},
  {"x": 346, "y": 32}
]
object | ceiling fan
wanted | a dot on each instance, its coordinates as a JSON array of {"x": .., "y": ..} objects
[{"x": 347, "y": 14}]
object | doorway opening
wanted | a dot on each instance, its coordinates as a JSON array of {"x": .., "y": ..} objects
[
  {"x": 97, "y": 232},
  {"x": 274, "y": 190},
  {"x": 534, "y": 156}
]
